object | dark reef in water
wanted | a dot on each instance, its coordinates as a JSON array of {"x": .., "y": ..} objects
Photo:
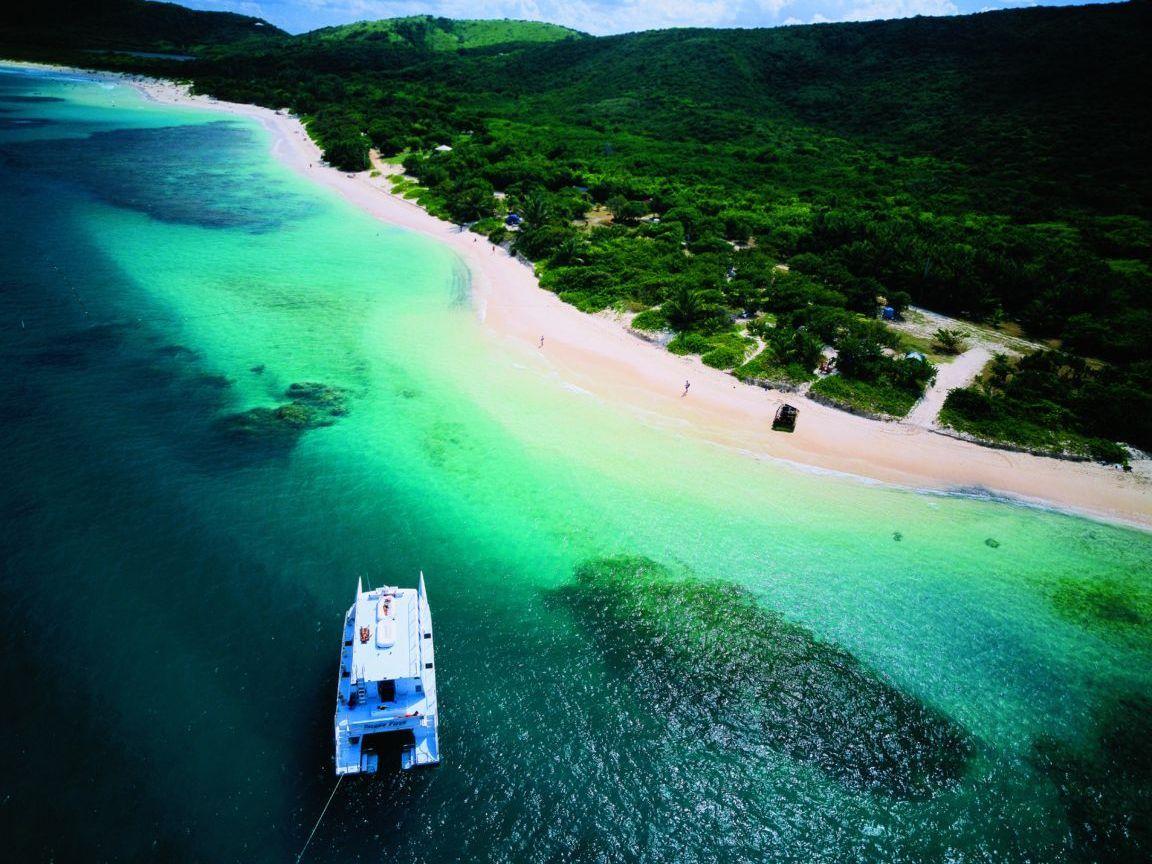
[
  {"x": 313, "y": 406},
  {"x": 1118, "y": 608},
  {"x": 178, "y": 351},
  {"x": 213, "y": 381},
  {"x": 1106, "y": 791},
  {"x": 710, "y": 654},
  {"x": 172, "y": 174}
]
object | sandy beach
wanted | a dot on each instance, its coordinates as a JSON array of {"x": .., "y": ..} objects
[{"x": 600, "y": 356}]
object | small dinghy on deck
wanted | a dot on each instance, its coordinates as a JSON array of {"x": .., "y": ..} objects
[{"x": 386, "y": 692}]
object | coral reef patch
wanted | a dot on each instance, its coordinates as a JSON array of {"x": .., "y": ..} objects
[
  {"x": 312, "y": 406},
  {"x": 709, "y": 653}
]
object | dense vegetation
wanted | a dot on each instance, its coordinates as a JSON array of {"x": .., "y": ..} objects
[
  {"x": 137, "y": 25},
  {"x": 443, "y": 34},
  {"x": 1055, "y": 401},
  {"x": 763, "y": 192}
]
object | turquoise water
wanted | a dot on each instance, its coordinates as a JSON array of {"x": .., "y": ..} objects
[{"x": 172, "y": 591}]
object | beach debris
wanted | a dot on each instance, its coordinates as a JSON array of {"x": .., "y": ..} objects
[{"x": 709, "y": 654}]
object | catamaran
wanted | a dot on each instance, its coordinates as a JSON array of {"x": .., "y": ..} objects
[{"x": 386, "y": 693}]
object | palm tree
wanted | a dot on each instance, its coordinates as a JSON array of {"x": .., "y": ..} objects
[
  {"x": 684, "y": 308},
  {"x": 949, "y": 341},
  {"x": 535, "y": 210},
  {"x": 571, "y": 251}
]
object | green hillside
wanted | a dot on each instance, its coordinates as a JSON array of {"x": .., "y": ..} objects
[
  {"x": 125, "y": 24},
  {"x": 445, "y": 34}
]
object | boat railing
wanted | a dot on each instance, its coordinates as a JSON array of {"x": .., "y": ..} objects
[{"x": 414, "y": 657}]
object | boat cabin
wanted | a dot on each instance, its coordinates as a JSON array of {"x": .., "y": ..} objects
[{"x": 386, "y": 692}]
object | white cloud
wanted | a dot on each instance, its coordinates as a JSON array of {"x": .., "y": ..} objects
[{"x": 871, "y": 10}]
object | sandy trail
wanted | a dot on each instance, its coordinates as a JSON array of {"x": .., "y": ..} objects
[
  {"x": 961, "y": 372},
  {"x": 630, "y": 375}
]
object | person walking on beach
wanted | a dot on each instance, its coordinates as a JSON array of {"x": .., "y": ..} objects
[
  {"x": 541, "y": 345},
  {"x": 687, "y": 384}
]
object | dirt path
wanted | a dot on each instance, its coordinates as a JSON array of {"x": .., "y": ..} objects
[
  {"x": 923, "y": 323},
  {"x": 959, "y": 373}
]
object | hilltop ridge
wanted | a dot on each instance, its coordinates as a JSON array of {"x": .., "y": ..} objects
[
  {"x": 127, "y": 25},
  {"x": 445, "y": 34}
]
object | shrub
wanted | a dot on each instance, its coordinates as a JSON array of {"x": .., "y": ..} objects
[
  {"x": 723, "y": 357},
  {"x": 650, "y": 320},
  {"x": 949, "y": 341},
  {"x": 690, "y": 343},
  {"x": 873, "y": 397}
]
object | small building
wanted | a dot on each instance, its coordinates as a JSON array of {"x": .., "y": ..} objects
[
  {"x": 443, "y": 148},
  {"x": 512, "y": 219},
  {"x": 915, "y": 355},
  {"x": 888, "y": 313},
  {"x": 785, "y": 420}
]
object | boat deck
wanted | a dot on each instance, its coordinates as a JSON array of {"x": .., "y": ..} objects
[{"x": 387, "y": 680}]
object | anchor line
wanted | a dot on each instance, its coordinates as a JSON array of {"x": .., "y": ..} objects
[{"x": 318, "y": 821}]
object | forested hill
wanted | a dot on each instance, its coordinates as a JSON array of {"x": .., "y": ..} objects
[
  {"x": 424, "y": 32},
  {"x": 136, "y": 25},
  {"x": 766, "y": 188},
  {"x": 1047, "y": 91}
]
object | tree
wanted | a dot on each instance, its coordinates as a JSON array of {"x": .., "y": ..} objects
[
  {"x": 899, "y": 301},
  {"x": 625, "y": 212},
  {"x": 859, "y": 358},
  {"x": 348, "y": 154},
  {"x": 571, "y": 251},
  {"x": 472, "y": 201},
  {"x": 685, "y": 308},
  {"x": 535, "y": 210},
  {"x": 949, "y": 341}
]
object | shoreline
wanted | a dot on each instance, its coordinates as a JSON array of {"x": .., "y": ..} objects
[{"x": 602, "y": 357}]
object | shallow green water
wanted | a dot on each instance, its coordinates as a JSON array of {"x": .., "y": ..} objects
[{"x": 172, "y": 594}]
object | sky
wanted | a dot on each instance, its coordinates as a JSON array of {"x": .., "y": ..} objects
[{"x": 607, "y": 16}]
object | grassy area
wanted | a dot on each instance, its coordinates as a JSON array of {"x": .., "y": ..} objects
[
  {"x": 926, "y": 346},
  {"x": 866, "y": 396},
  {"x": 766, "y": 366},
  {"x": 720, "y": 351}
]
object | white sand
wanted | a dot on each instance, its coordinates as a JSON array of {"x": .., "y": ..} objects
[{"x": 630, "y": 375}]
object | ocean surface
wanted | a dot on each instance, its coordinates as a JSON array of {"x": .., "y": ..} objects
[{"x": 649, "y": 649}]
